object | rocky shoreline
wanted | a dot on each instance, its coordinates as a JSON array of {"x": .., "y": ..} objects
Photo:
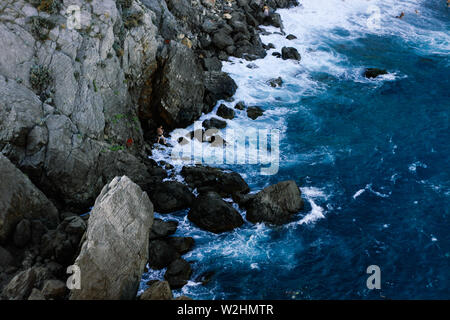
[{"x": 78, "y": 112}]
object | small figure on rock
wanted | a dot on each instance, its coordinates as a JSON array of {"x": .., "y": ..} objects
[
  {"x": 160, "y": 133},
  {"x": 401, "y": 15},
  {"x": 266, "y": 10}
]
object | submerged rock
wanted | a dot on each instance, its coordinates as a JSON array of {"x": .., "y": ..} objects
[
  {"x": 113, "y": 257},
  {"x": 374, "y": 72},
  {"x": 214, "y": 123},
  {"x": 275, "y": 204},
  {"x": 211, "y": 213},
  {"x": 181, "y": 244}
]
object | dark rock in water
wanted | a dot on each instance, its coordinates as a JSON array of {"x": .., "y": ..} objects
[
  {"x": 276, "y": 54},
  {"x": 181, "y": 244},
  {"x": 22, "y": 234},
  {"x": 170, "y": 196},
  {"x": 275, "y": 204},
  {"x": 197, "y": 135},
  {"x": 161, "y": 229},
  {"x": 158, "y": 290},
  {"x": 291, "y": 37},
  {"x": 254, "y": 112},
  {"x": 278, "y": 82},
  {"x": 290, "y": 53},
  {"x": 178, "y": 273},
  {"x": 374, "y": 72},
  {"x": 225, "y": 112},
  {"x": 214, "y": 123},
  {"x": 19, "y": 288},
  {"x": 211, "y": 213},
  {"x": 205, "y": 277},
  {"x": 252, "y": 66},
  {"x": 240, "y": 105},
  {"x": 161, "y": 254},
  {"x": 242, "y": 199},
  {"x": 275, "y": 20},
  {"x": 218, "y": 86},
  {"x": 214, "y": 179},
  {"x": 212, "y": 64}
]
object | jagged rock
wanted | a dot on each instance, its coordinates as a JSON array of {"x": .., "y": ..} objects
[
  {"x": 161, "y": 254},
  {"x": 178, "y": 273},
  {"x": 177, "y": 96},
  {"x": 19, "y": 288},
  {"x": 212, "y": 64},
  {"x": 254, "y": 112},
  {"x": 170, "y": 196},
  {"x": 374, "y": 72},
  {"x": 222, "y": 39},
  {"x": 19, "y": 200},
  {"x": 290, "y": 53},
  {"x": 205, "y": 178},
  {"x": 36, "y": 294},
  {"x": 225, "y": 112},
  {"x": 158, "y": 290},
  {"x": 181, "y": 244},
  {"x": 115, "y": 252},
  {"x": 54, "y": 289},
  {"x": 275, "y": 204},
  {"x": 214, "y": 123},
  {"x": 162, "y": 229},
  {"x": 211, "y": 213}
]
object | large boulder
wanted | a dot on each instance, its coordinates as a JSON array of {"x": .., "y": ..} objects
[
  {"x": 218, "y": 86},
  {"x": 170, "y": 196},
  {"x": 158, "y": 290},
  {"x": 20, "y": 199},
  {"x": 205, "y": 178},
  {"x": 178, "y": 273},
  {"x": 161, "y": 254},
  {"x": 211, "y": 213},
  {"x": 181, "y": 244},
  {"x": 162, "y": 229},
  {"x": 19, "y": 288},
  {"x": 225, "y": 112},
  {"x": 114, "y": 254},
  {"x": 275, "y": 204}
]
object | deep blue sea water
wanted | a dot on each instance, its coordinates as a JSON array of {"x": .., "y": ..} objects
[{"x": 372, "y": 158}]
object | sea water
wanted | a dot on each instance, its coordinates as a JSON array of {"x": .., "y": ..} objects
[{"x": 372, "y": 158}]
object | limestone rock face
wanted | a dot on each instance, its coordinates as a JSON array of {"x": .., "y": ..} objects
[
  {"x": 275, "y": 204},
  {"x": 68, "y": 96},
  {"x": 20, "y": 199},
  {"x": 113, "y": 257}
]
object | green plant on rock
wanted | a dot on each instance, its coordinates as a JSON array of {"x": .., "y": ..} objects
[
  {"x": 124, "y": 4},
  {"x": 40, "y": 78},
  {"x": 40, "y": 27},
  {"x": 116, "y": 148},
  {"x": 49, "y": 6},
  {"x": 132, "y": 19}
]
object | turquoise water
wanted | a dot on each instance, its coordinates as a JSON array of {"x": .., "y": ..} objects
[{"x": 372, "y": 158}]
